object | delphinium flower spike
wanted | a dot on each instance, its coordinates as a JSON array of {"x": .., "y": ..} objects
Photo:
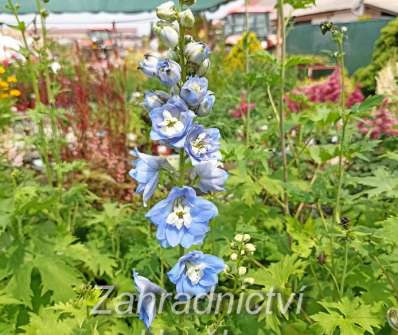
[{"x": 182, "y": 218}]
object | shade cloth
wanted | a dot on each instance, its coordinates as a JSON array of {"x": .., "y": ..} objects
[{"x": 109, "y": 6}]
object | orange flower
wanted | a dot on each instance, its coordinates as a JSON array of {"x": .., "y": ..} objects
[
  {"x": 15, "y": 93},
  {"x": 3, "y": 85}
]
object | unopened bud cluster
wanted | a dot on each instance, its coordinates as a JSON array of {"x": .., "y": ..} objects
[{"x": 241, "y": 249}]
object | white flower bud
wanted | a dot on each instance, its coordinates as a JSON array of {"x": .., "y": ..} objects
[
  {"x": 168, "y": 35},
  {"x": 226, "y": 268},
  {"x": 232, "y": 244},
  {"x": 242, "y": 252},
  {"x": 250, "y": 247},
  {"x": 249, "y": 280},
  {"x": 187, "y": 19},
  {"x": 55, "y": 67},
  {"x": 166, "y": 11},
  {"x": 204, "y": 67},
  {"x": 196, "y": 52},
  {"x": 238, "y": 237},
  {"x": 246, "y": 238},
  {"x": 234, "y": 257},
  {"x": 242, "y": 271}
]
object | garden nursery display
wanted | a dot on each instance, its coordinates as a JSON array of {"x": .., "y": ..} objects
[{"x": 197, "y": 190}]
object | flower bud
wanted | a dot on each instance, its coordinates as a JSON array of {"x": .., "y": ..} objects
[
  {"x": 234, "y": 257},
  {"x": 55, "y": 67},
  {"x": 187, "y": 19},
  {"x": 204, "y": 67},
  {"x": 207, "y": 104},
  {"x": 242, "y": 252},
  {"x": 242, "y": 270},
  {"x": 196, "y": 52},
  {"x": 154, "y": 99},
  {"x": 238, "y": 237},
  {"x": 167, "y": 11},
  {"x": 250, "y": 247},
  {"x": 226, "y": 268},
  {"x": 169, "y": 37},
  {"x": 149, "y": 65},
  {"x": 249, "y": 280},
  {"x": 169, "y": 72},
  {"x": 246, "y": 238}
]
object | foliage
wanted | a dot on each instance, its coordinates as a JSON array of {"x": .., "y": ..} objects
[
  {"x": 60, "y": 236},
  {"x": 385, "y": 49}
]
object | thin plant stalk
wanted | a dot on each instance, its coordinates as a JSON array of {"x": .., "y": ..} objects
[
  {"x": 247, "y": 70},
  {"x": 181, "y": 46},
  {"x": 56, "y": 148},
  {"x": 341, "y": 171},
  {"x": 43, "y": 145},
  {"x": 282, "y": 61}
]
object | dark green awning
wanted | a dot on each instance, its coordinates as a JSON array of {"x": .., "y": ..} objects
[{"x": 109, "y": 6}]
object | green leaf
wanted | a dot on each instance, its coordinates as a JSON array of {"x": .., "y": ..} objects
[
  {"x": 57, "y": 276},
  {"x": 350, "y": 316},
  {"x": 383, "y": 182},
  {"x": 370, "y": 103},
  {"x": 303, "y": 236}
]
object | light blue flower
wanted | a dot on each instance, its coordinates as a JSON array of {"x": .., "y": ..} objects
[
  {"x": 182, "y": 218},
  {"x": 170, "y": 125},
  {"x": 207, "y": 104},
  {"x": 153, "y": 99},
  {"x": 149, "y": 65},
  {"x": 147, "y": 298},
  {"x": 196, "y": 273},
  {"x": 178, "y": 103},
  {"x": 211, "y": 177},
  {"x": 203, "y": 144},
  {"x": 169, "y": 72},
  {"x": 146, "y": 173},
  {"x": 194, "y": 90}
]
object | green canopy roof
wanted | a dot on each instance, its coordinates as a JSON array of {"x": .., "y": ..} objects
[{"x": 109, "y": 6}]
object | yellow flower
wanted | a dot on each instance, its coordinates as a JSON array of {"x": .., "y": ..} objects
[
  {"x": 2, "y": 70},
  {"x": 15, "y": 93},
  {"x": 3, "y": 85},
  {"x": 12, "y": 79},
  {"x": 3, "y": 96}
]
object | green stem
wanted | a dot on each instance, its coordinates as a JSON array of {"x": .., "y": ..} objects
[
  {"x": 247, "y": 70},
  {"x": 43, "y": 145},
  {"x": 345, "y": 269},
  {"x": 340, "y": 173},
  {"x": 390, "y": 280},
  {"x": 56, "y": 148},
  {"x": 181, "y": 179},
  {"x": 282, "y": 61}
]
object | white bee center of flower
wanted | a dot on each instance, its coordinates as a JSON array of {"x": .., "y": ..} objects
[
  {"x": 196, "y": 88},
  {"x": 171, "y": 125},
  {"x": 199, "y": 144},
  {"x": 180, "y": 217},
  {"x": 195, "y": 272}
]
